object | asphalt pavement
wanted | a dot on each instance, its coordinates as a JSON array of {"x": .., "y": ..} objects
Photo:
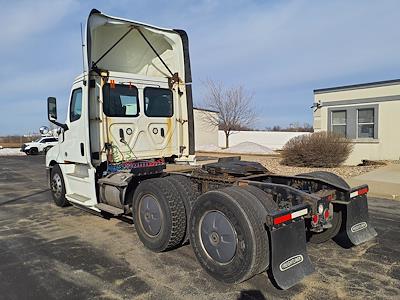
[{"x": 47, "y": 252}]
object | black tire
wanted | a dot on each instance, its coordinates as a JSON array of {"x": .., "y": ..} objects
[
  {"x": 188, "y": 195},
  {"x": 245, "y": 216},
  {"x": 265, "y": 199},
  {"x": 58, "y": 187},
  {"x": 328, "y": 177},
  {"x": 327, "y": 234},
  {"x": 162, "y": 226},
  {"x": 33, "y": 151}
]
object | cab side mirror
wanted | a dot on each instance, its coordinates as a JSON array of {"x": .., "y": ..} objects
[
  {"x": 52, "y": 112},
  {"x": 52, "y": 108}
]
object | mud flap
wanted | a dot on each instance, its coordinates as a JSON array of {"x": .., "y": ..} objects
[
  {"x": 289, "y": 259},
  {"x": 356, "y": 226}
]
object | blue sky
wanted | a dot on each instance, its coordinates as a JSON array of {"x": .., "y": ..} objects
[{"x": 279, "y": 50}]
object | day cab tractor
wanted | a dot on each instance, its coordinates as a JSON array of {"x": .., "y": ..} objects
[{"x": 130, "y": 124}]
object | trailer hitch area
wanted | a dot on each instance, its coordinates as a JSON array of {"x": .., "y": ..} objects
[
  {"x": 356, "y": 227},
  {"x": 289, "y": 261}
]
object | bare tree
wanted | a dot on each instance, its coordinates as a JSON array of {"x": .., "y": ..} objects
[{"x": 234, "y": 106}]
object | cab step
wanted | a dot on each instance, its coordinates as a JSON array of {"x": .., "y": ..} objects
[
  {"x": 115, "y": 211},
  {"x": 77, "y": 197}
]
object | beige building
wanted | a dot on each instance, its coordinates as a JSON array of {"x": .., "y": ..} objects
[
  {"x": 368, "y": 114},
  {"x": 205, "y": 134}
]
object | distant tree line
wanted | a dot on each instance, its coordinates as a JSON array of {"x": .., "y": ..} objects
[{"x": 293, "y": 127}]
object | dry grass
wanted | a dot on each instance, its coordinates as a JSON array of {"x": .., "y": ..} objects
[{"x": 11, "y": 145}]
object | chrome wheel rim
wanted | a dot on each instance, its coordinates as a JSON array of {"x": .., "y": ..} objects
[
  {"x": 150, "y": 215},
  {"x": 218, "y": 237},
  {"x": 56, "y": 185}
]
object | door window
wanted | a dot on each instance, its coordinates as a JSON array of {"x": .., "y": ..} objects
[
  {"x": 120, "y": 101},
  {"x": 75, "y": 110},
  {"x": 158, "y": 102}
]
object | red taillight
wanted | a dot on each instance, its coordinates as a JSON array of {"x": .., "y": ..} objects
[
  {"x": 326, "y": 214},
  {"x": 315, "y": 219}
]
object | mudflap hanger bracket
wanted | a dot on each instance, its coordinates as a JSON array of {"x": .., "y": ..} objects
[
  {"x": 289, "y": 261},
  {"x": 356, "y": 227}
]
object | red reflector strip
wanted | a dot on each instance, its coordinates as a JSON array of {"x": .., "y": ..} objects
[
  {"x": 359, "y": 192},
  {"x": 282, "y": 219},
  {"x": 290, "y": 216}
]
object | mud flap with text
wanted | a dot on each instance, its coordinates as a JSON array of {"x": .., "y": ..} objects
[
  {"x": 289, "y": 259},
  {"x": 356, "y": 226}
]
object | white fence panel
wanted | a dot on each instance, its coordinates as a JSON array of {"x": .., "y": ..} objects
[{"x": 271, "y": 139}]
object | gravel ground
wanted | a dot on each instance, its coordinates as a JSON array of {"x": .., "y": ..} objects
[{"x": 273, "y": 165}]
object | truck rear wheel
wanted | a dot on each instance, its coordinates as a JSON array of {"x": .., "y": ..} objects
[
  {"x": 327, "y": 234},
  {"x": 58, "y": 187},
  {"x": 227, "y": 234},
  {"x": 160, "y": 217}
]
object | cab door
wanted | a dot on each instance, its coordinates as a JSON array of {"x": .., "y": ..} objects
[{"x": 74, "y": 143}]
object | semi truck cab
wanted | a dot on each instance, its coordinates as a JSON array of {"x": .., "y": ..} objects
[{"x": 133, "y": 101}]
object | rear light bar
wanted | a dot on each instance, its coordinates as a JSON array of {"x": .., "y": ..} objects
[
  {"x": 359, "y": 192},
  {"x": 290, "y": 216}
]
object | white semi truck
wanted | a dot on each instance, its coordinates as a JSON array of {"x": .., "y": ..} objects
[{"x": 130, "y": 114}]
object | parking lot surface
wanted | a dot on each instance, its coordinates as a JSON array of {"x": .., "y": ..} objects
[{"x": 47, "y": 252}]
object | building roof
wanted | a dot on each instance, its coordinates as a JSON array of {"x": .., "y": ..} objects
[{"x": 357, "y": 86}]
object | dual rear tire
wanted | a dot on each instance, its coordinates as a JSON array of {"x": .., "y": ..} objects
[
  {"x": 225, "y": 227},
  {"x": 159, "y": 214},
  {"x": 228, "y": 236}
]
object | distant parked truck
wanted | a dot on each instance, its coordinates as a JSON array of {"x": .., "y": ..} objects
[
  {"x": 130, "y": 113},
  {"x": 41, "y": 145}
]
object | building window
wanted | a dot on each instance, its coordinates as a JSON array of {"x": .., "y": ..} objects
[
  {"x": 339, "y": 122},
  {"x": 365, "y": 123},
  {"x": 355, "y": 122}
]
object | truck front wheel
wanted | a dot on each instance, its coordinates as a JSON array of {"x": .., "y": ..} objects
[
  {"x": 58, "y": 187},
  {"x": 159, "y": 213}
]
